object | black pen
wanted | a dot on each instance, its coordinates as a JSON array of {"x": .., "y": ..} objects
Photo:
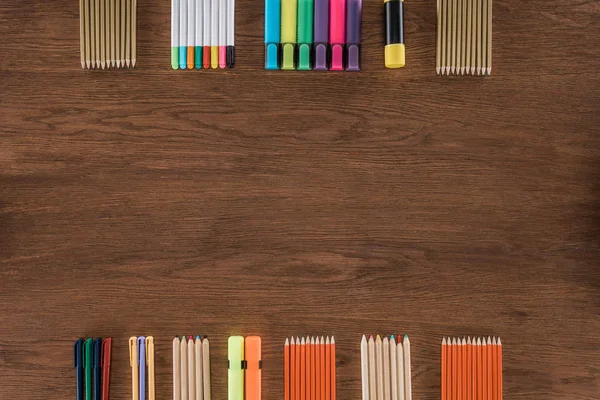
[
  {"x": 97, "y": 369},
  {"x": 78, "y": 360}
]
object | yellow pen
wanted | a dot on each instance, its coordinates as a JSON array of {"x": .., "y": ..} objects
[
  {"x": 133, "y": 362},
  {"x": 150, "y": 364}
]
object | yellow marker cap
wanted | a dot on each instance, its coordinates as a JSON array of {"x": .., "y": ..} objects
[{"x": 395, "y": 55}]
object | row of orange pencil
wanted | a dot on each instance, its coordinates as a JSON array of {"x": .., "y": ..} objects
[
  {"x": 471, "y": 368},
  {"x": 309, "y": 368}
]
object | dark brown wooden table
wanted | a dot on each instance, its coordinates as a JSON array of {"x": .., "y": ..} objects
[{"x": 154, "y": 202}]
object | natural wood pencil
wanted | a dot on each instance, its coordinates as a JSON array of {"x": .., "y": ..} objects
[
  {"x": 463, "y": 42},
  {"x": 191, "y": 369},
  {"x": 123, "y": 28},
  {"x": 468, "y": 36},
  {"x": 490, "y": 379},
  {"x": 97, "y": 31},
  {"x": 286, "y": 370},
  {"x": 499, "y": 369},
  {"x": 386, "y": 368},
  {"x": 444, "y": 43},
  {"x": 112, "y": 34},
  {"x": 438, "y": 50},
  {"x": 379, "y": 367},
  {"x": 86, "y": 32},
  {"x": 81, "y": 33},
  {"x": 407, "y": 368},
  {"x": 364, "y": 367},
  {"x": 107, "y": 32},
  {"x": 473, "y": 62},
  {"x": 333, "y": 371},
  {"x": 206, "y": 368},
  {"x": 102, "y": 34},
  {"x": 393, "y": 368},
  {"x": 128, "y": 34},
  {"x": 484, "y": 38},
  {"x": 92, "y": 33},
  {"x": 443, "y": 368},
  {"x": 400, "y": 368},
  {"x": 118, "y": 33},
  {"x": 459, "y": 368},
  {"x": 459, "y": 38},
  {"x": 133, "y": 33},
  {"x": 293, "y": 369},
  {"x": 199, "y": 365},
  {"x": 372, "y": 370},
  {"x": 489, "y": 37},
  {"x": 176, "y": 369},
  {"x": 479, "y": 45},
  {"x": 453, "y": 48},
  {"x": 318, "y": 370},
  {"x": 323, "y": 369},
  {"x": 184, "y": 367},
  {"x": 303, "y": 369}
]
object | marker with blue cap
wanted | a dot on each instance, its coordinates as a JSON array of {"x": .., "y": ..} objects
[
  {"x": 98, "y": 369},
  {"x": 272, "y": 33},
  {"x": 78, "y": 363}
]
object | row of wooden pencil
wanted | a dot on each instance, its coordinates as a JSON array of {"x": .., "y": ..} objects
[
  {"x": 191, "y": 368},
  {"x": 385, "y": 368},
  {"x": 471, "y": 368},
  {"x": 464, "y": 37},
  {"x": 107, "y": 33},
  {"x": 309, "y": 368}
]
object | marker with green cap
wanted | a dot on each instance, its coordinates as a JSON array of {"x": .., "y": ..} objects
[
  {"x": 88, "y": 358},
  {"x": 305, "y": 33}
]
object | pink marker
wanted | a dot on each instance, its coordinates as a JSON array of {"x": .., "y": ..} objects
[
  {"x": 337, "y": 33},
  {"x": 222, "y": 34}
]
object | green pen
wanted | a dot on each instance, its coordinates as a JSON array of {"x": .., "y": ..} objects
[
  {"x": 88, "y": 358},
  {"x": 305, "y": 33}
]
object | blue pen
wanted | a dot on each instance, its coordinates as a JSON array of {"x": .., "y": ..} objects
[
  {"x": 272, "y": 33},
  {"x": 78, "y": 361},
  {"x": 142, "y": 364},
  {"x": 97, "y": 369}
]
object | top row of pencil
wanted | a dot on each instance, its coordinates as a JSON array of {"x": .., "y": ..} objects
[{"x": 321, "y": 35}]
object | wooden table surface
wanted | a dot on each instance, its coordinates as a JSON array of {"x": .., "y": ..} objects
[{"x": 156, "y": 202}]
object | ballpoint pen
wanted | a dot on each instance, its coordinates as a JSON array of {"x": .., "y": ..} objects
[
  {"x": 150, "y": 364},
  {"x": 88, "y": 358},
  {"x": 97, "y": 368},
  {"x": 133, "y": 362},
  {"x": 78, "y": 362},
  {"x": 106, "y": 350},
  {"x": 141, "y": 343}
]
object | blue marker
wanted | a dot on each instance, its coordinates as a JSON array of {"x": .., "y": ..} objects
[{"x": 272, "y": 33}]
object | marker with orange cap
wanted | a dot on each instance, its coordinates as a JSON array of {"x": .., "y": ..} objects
[{"x": 253, "y": 377}]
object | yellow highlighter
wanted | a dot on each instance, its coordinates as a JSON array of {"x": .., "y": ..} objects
[
  {"x": 236, "y": 368},
  {"x": 289, "y": 24},
  {"x": 394, "y": 33},
  {"x": 133, "y": 361}
]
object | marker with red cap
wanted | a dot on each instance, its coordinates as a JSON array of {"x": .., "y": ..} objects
[{"x": 337, "y": 33}]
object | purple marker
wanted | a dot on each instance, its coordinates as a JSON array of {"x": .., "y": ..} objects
[
  {"x": 353, "y": 34},
  {"x": 321, "y": 39}
]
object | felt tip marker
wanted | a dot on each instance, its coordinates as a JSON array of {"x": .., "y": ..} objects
[
  {"x": 394, "y": 33},
  {"x": 321, "y": 34},
  {"x": 289, "y": 18},
  {"x": 183, "y": 34},
  {"x": 175, "y": 34},
  {"x": 206, "y": 33},
  {"x": 198, "y": 34},
  {"x": 272, "y": 33},
  {"x": 305, "y": 33},
  {"x": 337, "y": 33},
  {"x": 230, "y": 59},
  {"x": 353, "y": 34}
]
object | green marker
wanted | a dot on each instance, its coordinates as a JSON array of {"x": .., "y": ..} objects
[
  {"x": 88, "y": 358},
  {"x": 175, "y": 34},
  {"x": 235, "y": 354},
  {"x": 289, "y": 14},
  {"x": 305, "y": 33}
]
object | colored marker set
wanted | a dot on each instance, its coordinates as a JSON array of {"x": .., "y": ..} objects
[
  {"x": 202, "y": 34},
  {"x": 316, "y": 35},
  {"x": 141, "y": 360},
  {"x": 191, "y": 368},
  {"x": 92, "y": 357},
  {"x": 244, "y": 373},
  {"x": 385, "y": 368}
]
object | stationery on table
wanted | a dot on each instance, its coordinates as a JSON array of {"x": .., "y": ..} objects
[
  {"x": 253, "y": 364},
  {"x": 236, "y": 366},
  {"x": 202, "y": 34},
  {"x": 107, "y": 33},
  {"x": 92, "y": 368},
  {"x": 395, "y": 56},
  {"x": 385, "y": 368},
  {"x": 464, "y": 37},
  {"x": 191, "y": 368},
  {"x": 141, "y": 360},
  {"x": 471, "y": 368},
  {"x": 309, "y": 368},
  {"x": 316, "y": 35}
]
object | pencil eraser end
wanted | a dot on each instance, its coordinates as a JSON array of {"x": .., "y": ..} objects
[
  {"x": 288, "y": 57},
  {"x": 321, "y": 57},
  {"x": 304, "y": 57},
  {"x": 394, "y": 55},
  {"x": 337, "y": 57},
  {"x": 353, "y": 58},
  {"x": 272, "y": 56}
]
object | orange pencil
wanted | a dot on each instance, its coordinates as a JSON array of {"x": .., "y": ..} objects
[
  {"x": 333, "y": 371},
  {"x": 454, "y": 368},
  {"x": 490, "y": 378},
  {"x": 479, "y": 371},
  {"x": 473, "y": 369},
  {"x": 464, "y": 369},
  {"x": 494, "y": 369},
  {"x": 484, "y": 363},
  {"x": 303, "y": 370},
  {"x": 469, "y": 381},
  {"x": 323, "y": 395},
  {"x": 459, "y": 368},
  {"x": 499, "y": 369},
  {"x": 286, "y": 370},
  {"x": 327, "y": 369},
  {"x": 297, "y": 377},
  {"x": 444, "y": 368},
  {"x": 310, "y": 368},
  {"x": 293, "y": 369},
  {"x": 318, "y": 369}
]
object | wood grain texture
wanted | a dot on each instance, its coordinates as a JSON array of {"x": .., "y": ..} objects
[{"x": 250, "y": 202}]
